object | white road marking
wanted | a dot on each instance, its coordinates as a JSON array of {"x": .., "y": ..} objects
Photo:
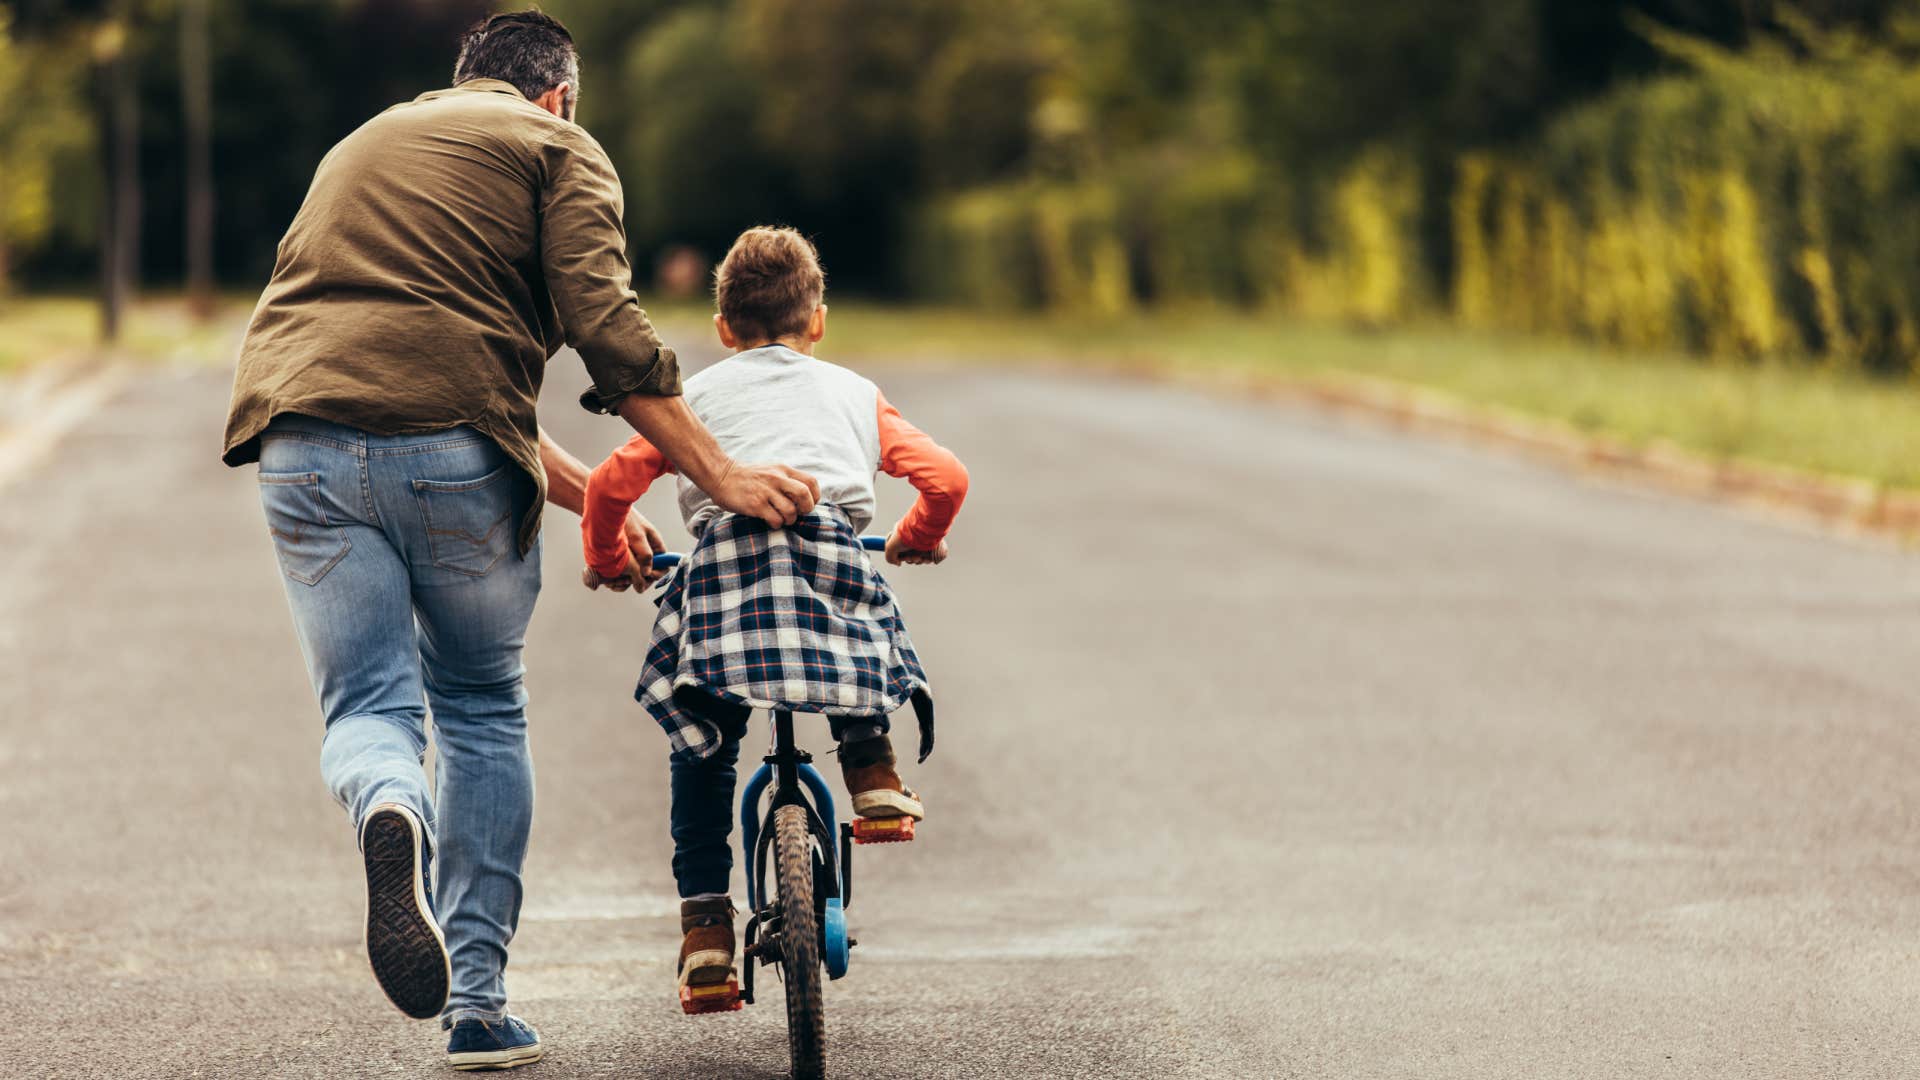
[{"x": 39, "y": 408}]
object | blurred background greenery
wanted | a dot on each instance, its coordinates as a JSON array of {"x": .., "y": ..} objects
[{"x": 1706, "y": 182}]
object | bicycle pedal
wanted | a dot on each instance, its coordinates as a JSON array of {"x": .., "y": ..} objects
[
  {"x": 882, "y": 830},
  {"x": 719, "y": 997}
]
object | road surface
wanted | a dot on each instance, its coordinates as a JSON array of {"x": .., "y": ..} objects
[{"x": 1271, "y": 747}]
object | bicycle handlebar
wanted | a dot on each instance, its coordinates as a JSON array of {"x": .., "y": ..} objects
[{"x": 667, "y": 559}]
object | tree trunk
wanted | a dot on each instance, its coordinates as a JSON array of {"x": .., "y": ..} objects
[
  {"x": 120, "y": 231},
  {"x": 196, "y": 93}
]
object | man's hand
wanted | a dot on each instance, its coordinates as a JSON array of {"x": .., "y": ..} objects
[
  {"x": 899, "y": 554},
  {"x": 775, "y": 494}
]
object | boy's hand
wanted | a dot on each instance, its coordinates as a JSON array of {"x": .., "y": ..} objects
[
  {"x": 593, "y": 579},
  {"x": 643, "y": 541},
  {"x": 899, "y": 554}
]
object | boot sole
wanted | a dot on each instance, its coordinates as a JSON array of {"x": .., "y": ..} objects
[
  {"x": 405, "y": 948},
  {"x": 708, "y": 967},
  {"x": 884, "y": 804}
]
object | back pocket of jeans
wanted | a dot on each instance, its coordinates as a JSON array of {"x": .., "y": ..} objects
[
  {"x": 305, "y": 541},
  {"x": 469, "y": 522}
]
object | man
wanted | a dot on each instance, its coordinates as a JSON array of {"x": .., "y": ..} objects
[{"x": 445, "y": 250}]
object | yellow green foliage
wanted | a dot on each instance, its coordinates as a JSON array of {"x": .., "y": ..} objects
[
  {"x": 1216, "y": 230},
  {"x": 1760, "y": 206},
  {"x": 1764, "y": 204},
  {"x": 42, "y": 128}
]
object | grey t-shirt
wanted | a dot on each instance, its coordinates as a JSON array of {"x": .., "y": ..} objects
[{"x": 775, "y": 404}]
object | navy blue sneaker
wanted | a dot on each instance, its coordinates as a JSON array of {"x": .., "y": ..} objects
[
  {"x": 404, "y": 943},
  {"x": 477, "y": 1044}
]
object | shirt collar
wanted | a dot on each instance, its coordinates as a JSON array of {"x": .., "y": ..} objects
[
  {"x": 485, "y": 86},
  {"x": 777, "y": 350}
]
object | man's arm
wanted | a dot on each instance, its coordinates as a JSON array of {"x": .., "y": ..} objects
[
  {"x": 583, "y": 250},
  {"x": 566, "y": 474},
  {"x": 775, "y": 494}
]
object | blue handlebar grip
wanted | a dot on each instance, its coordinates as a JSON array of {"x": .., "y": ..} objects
[{"x": 667, "y": 560}]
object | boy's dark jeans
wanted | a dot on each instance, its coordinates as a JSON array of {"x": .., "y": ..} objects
[{"x": 702, "y": 797}]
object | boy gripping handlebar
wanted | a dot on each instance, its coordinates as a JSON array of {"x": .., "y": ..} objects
[{"x": 789, "y": 619}]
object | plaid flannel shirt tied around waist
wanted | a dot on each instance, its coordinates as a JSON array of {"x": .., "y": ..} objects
[{"x": 794, "y": 618}]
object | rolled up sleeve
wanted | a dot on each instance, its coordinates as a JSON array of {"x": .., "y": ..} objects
[{"x": 583, "y": 250}]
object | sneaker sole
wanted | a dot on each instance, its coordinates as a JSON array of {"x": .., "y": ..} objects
[
  {"x": 477, "y": 1061},
  {"x": 404, "y": 945},
  {"x": 884, "y": 803}
]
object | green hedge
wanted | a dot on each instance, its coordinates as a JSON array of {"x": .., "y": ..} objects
[
  {"x": 1754, "y": 208},
  {"x": 1219, "y": 231}
]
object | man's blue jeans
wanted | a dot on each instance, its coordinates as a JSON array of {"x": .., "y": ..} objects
[{"x": 408, "y": 592}]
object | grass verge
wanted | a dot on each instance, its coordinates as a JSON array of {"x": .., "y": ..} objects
[
  {"x": 55, "y": 329},
  {"x": 1797, "y": 416}
]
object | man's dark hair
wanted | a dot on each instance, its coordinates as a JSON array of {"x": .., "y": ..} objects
[{"x": 529, "y": 49}]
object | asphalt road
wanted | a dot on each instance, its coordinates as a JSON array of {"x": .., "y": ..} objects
[{"x": 1271, "y": 747}]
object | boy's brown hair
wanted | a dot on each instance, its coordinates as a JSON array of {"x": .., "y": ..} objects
[{"x": 769, "y": 284}]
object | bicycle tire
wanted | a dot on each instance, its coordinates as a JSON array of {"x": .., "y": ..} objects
[{"x": 800, "y": 942}]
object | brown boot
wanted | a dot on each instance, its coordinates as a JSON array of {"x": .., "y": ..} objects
[
  {"x": 868, "y": 768},
  {"x": 706, "y": 954}
]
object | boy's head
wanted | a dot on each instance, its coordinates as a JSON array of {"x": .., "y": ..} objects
[{"x": 769, "y": 288}]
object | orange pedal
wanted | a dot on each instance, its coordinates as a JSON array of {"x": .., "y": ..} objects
[
  {"x": 882, "y": 830},
  {"x": 719, "y": 997}
]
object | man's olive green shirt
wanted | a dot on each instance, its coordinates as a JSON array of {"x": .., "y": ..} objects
[{"x": 446, "y": 249}]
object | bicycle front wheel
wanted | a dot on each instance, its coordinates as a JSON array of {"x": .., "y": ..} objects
[{"x": 800, "y": 942}]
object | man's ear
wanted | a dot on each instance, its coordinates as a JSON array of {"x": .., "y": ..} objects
[
  {"x": 555, "y": 100},
  {"x": 727, "y": 337},
  {"x": 817, "y": 326}
]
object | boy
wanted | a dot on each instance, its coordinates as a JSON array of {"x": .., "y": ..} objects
[{"x": 793, "y": 618}]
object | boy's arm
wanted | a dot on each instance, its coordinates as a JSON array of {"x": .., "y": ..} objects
[
  {"x": 908, "y": 452},
  {"x": 612, "y": 489},
  {"x": 567, "y": 489}
]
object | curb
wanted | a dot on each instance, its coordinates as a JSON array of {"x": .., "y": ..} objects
[{"x": 1843, "y": 504}]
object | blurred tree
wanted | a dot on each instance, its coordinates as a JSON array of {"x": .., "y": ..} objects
[
  {"x": 839, "y": 114},
  {"x": 847, "y": 117},
  {"x": 120, "y": 156},
  {"x": 607, "y": 33},
  {"x": 43, "y": 129},
  {"x": 840, "y": 76},
  {"x": 196, "y": 99},
  {"x": 691, "y": 160},
  {"x": 979, "y": 93}
]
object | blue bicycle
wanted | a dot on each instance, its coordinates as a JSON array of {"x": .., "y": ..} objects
[{"x": 788, "y": 828}]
